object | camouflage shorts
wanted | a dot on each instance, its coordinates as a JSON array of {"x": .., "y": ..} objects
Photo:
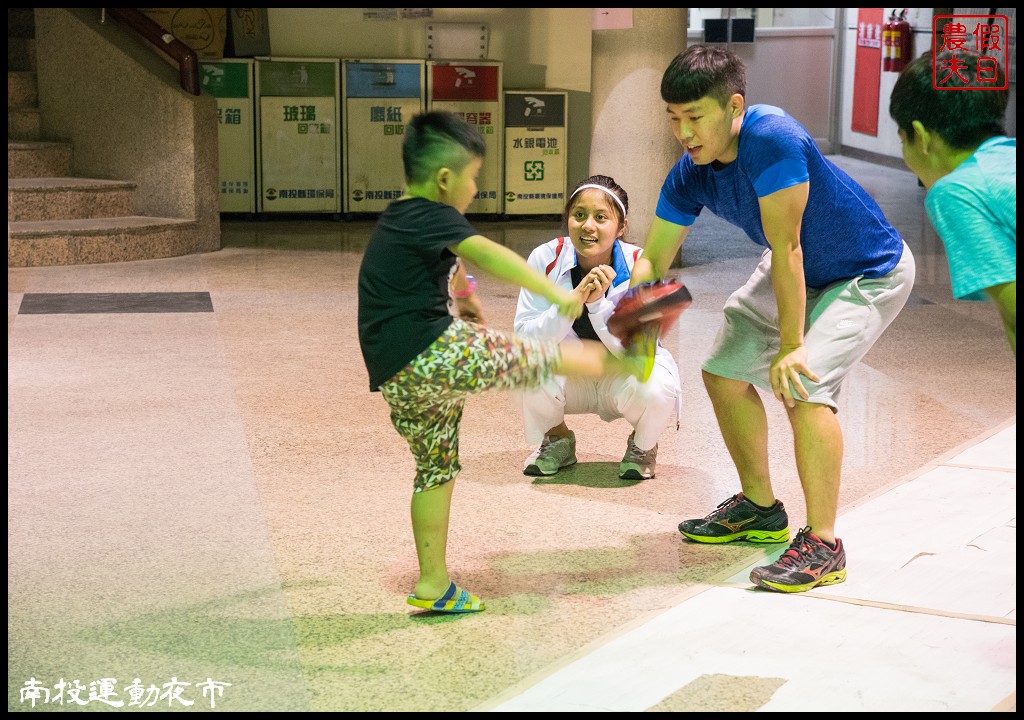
[{"x": 427, "y": 396}]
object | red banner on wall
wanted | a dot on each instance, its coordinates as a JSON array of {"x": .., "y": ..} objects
[{"x": 867, "y": 70}]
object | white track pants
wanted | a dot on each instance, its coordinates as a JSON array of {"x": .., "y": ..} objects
[{"x": 648, "y": 407}]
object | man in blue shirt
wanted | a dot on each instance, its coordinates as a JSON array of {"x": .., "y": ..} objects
[{"x": 833, "y": 275}]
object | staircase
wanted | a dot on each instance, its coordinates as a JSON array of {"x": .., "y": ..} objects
[{"x": 54, "y": 218}]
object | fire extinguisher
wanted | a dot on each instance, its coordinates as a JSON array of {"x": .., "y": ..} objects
[
  {"x": 901, "y": 39},
  {"x": 887, "y": 32}
]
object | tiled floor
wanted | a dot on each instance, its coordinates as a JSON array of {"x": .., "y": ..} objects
[
  {"x": 907, "y": 632},
  {"x": 201, "y": 488}
]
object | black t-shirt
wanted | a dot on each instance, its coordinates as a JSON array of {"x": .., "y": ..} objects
[
  {"x": 582, "y": 326},
  {"x": 403, "y": 283}
]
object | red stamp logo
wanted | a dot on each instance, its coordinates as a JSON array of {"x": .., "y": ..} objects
[{"x": 986, "y": 35}]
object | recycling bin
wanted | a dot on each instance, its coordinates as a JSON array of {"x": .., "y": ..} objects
[
  {"x": 535, "y": 148},
  {"x": 380, "y": 97},
  {"x": 474, "y": 90},
  {"x": 231, "y": 82},
  {"x": 299, "y": 143}
]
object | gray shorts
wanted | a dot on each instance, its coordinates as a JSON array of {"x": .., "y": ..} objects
[{"x": 843, "y": 321}]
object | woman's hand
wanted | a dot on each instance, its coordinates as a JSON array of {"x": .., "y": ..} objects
[{"x": 595, "y": 283}]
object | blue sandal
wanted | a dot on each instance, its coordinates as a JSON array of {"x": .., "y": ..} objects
[{"x": 454, "y": 600}]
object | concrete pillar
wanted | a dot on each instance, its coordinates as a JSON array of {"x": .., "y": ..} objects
[{"x": 631, "y": 137}]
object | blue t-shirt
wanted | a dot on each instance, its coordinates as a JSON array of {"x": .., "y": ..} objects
[
  {"x": 974, "y": 211},
  {"x": 843, "y": 234}
]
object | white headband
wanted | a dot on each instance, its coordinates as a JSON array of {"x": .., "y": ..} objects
[{"x": 602, "y": 187}]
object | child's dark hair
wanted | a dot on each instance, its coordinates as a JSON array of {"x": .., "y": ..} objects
[
  {"x": 607, "y": 183},
  {"x": 438, "y": 139},
  {"x": 703, "y": 70},
  {"x": 964, "y": 119}
]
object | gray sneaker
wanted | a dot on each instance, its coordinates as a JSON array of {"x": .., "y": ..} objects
[
  {"x": 637, "y": 464},
  {"x": 551, "y": 456}
]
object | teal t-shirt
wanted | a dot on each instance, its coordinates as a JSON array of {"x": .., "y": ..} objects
[{"x": 974, "y": 211}]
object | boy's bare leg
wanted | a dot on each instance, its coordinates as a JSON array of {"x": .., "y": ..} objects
[
  {"x": 430, "y": 511},
  {"x": 744, "y": 425},
  {"x": 818, "y": 442},
  {"x": 592, "y": 359}
]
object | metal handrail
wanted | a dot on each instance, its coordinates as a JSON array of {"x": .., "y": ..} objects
[{"x": 162, "y": 40}]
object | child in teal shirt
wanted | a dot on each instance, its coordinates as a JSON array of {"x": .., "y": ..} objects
[{"x": 955, "y": 142}]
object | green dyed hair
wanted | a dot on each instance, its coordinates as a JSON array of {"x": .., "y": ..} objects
[{"x": 438, "y": 139}]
